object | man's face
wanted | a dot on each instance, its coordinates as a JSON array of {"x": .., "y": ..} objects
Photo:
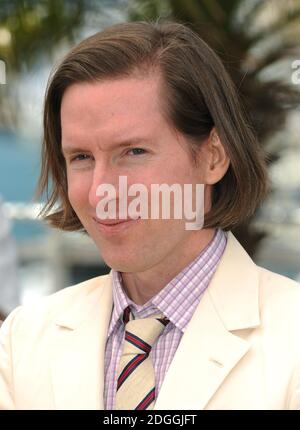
[{"x": 95, "y": 119}]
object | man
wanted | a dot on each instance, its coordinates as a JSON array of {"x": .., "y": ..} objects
[{"x": 153, "y": 103}]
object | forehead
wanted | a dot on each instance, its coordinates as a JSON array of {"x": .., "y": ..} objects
[{"x": 111, "y": 106}]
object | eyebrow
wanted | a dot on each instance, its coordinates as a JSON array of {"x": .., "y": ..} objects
[{"x": 128, "y": 142}]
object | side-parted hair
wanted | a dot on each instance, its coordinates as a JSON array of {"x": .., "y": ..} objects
[{"x": 196, "y": 95}]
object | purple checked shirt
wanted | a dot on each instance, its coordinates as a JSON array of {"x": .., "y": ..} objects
[{"x": 177, "y": 301}]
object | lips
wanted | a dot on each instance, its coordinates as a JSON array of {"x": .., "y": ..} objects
[
  {"x": 114, "y": 228},
  {"x": 112, "y": 221}
]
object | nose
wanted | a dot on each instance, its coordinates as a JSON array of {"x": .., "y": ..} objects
[{"x": 102, "y": 174}]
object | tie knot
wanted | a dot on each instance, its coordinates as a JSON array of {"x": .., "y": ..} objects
[{"x": 141, "y": 334}]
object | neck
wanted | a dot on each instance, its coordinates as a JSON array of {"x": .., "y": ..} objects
[{"x": 142, "y": 286}]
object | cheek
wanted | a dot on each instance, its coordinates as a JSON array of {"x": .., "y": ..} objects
[
  {"x": 78, "y": 191},
  {"x": 179, "y": 170}
]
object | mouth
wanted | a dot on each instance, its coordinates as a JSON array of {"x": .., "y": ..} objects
[{"x": 114, "y": 226}]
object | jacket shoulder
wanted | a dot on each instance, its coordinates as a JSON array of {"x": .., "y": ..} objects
[
  {"x": 274, "y": 283},
  {"x": 279, "y": 295},
  {"x": 46, "y": 309}
]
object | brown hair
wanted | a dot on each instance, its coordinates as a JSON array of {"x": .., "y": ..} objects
[{"x": 198, "y": 95}]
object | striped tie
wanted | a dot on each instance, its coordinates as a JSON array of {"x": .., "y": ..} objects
[{"x": 136, "y": 378}]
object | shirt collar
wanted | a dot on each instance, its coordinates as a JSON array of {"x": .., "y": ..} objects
[{"x": 185, "y": 289}]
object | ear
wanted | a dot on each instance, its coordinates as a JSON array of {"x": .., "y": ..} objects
[{"x": 215, "y": 158}]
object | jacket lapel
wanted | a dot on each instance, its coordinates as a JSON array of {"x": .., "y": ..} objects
[
  {"x": 209, "y": 348},
  {"x": 78, "y": 348}
]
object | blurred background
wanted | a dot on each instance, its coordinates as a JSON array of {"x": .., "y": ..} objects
[{"x": 258, "y": 41}]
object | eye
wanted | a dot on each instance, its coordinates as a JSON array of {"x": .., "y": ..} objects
[
  {"x": 80, "y": 157},
  {"x": 137, "y": 151}
]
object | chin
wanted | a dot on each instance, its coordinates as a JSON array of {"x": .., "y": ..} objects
[
  {"x": 126, "y": 268},
  {"x": 129, "y": 265},
  {"x": 121, "y": 264}
]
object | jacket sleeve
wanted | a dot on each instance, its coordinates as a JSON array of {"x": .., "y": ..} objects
[
  {"x": 294, "y": 389},
  {"x": 6, "y": 363}
]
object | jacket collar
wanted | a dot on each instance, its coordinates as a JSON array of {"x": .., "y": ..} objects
[{"x": 234, "y": 289}]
